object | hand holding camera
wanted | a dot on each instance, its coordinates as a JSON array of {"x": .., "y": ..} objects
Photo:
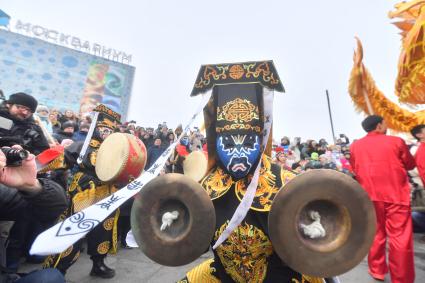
[
  {"x": 14, "y": 156},
  {"x": 18, "y": 169}
]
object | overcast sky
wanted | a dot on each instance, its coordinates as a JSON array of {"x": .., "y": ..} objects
[{"x": 311, "y": 43}]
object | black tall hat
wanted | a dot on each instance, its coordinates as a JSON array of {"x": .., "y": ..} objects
[
  {"x": 236, "y": 105},
  {"x": 107, "y": 118},
  {"x": 263, "y": 72}
]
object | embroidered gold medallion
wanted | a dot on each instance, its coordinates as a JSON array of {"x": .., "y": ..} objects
[
  {"x": 244, "y": 254},
  {"x": 103, "y": 247},
  {"x": 109, "y": 223},
  {"x": 238, "y": 111}
]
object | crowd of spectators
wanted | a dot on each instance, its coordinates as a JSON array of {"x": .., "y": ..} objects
[
  {"x": 36, "y": 128},
  {"x": 28, "y": 210},
  {"x": 296, "y": 155},
  {"x": 300, "y": 156}
]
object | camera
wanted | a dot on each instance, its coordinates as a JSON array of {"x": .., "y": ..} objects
[{"x": 14, "y": 157}]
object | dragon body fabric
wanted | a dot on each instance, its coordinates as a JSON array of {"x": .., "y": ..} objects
[{"x": 410, "y": 84}]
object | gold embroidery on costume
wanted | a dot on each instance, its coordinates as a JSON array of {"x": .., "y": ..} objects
[
  {"x": 48, "y": 262},
  {"x": 87, "y": 197},
  {"x": 202, "y": 273},
  {"x": 103, "y": 109},
  {"x": 244, "y": 254},
  {"x": 286, "y": 176},
  {"x": 57, "y": 163},
  {"x": 108, "y": 224},
  {"x": 94, "y": 143},
  {"x": 93, "y": 156},
  {"x": 217, "y": 183},
  {"x": 103, "y": 247},
  {"x": 67, "y": 252},
  {"x": 74, "y": 184},
  {"x": 236, "y": 72},
  {"x": 231, "y": 127},
  {"x": 266, "y": 189},
  {"x": 83, "y": 199},
  {"x": 307, "y": 279},
  {"x": 114, "y": 248},
  {"x": 239, "y": 112},
  {"x": 63, "y": 215},
  {"x": 248, "y": 72},
  {"x": 107, "y": 123}
]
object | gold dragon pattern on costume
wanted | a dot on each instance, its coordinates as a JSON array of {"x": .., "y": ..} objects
[{"x": 410, "y": 84}]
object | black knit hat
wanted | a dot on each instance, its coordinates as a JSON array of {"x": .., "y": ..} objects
[
  {"x": 23, "y": 99},
  {"x": 68, "y": 124},
  {"x": 369, "y": 124}
]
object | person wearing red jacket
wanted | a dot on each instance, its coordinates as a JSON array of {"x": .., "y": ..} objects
[
  {"x": 418, "y": 217},
  {"x": 380, "y": 164},
  {"x": 419, "y": 133}
]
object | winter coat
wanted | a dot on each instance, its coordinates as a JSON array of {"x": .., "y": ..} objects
[
  {"x": 46, "y": 205},
  {"x": 25, "y": 133},
  {"x": 62, "y": 136},
  {"x": 154, "y": 152},
  {"x": 79, "y": 136}
]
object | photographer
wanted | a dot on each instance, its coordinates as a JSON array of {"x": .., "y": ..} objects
[
  {"x": 148, "y": 138},
  {"x": 21, "y": 193},
  {"x": 19, "y": 127},
  {"x": 342, "y": 140}
]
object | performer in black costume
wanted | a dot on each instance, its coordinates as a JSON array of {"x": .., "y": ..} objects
[
  {"x": 85, "y": 190},
  {"x": 234, "y": 119}
]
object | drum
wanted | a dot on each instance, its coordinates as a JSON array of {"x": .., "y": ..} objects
[
  {"x": 120, "y": 159},
  {"x": 195, "y": 165}
]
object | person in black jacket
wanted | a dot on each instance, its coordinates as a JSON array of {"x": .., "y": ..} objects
[
  {"x": 22, "y": 192},
  {"x": 23, "y": 131},
  {"x": 148, "y": 138},
  {"x": 154, "y": 152},
  {"x": 67, "y": 132}
]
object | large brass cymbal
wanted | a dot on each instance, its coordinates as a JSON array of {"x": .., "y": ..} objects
[
  {"x": 189, "y": 235},
  {"x": 346, "y": 214}
]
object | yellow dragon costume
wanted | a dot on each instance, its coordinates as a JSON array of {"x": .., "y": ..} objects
[{"x": 410, "y": 84}]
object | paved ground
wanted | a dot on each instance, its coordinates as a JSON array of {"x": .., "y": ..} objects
[{"x": 132, "y": 266}]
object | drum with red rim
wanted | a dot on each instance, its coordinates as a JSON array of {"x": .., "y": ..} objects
[{"x": 120, "y": 159}]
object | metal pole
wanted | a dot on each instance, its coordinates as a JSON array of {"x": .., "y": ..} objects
[{"x": 330, "y": 116}]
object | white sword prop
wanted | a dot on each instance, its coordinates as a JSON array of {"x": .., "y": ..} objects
[
  {"x": 88, "y": 138},
  {"x": 61, "y": 236}
]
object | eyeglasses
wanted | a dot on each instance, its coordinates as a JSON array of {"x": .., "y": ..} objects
[
  {"x": 23, "y": 108},
  {"x": 105, "y": 131}
]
